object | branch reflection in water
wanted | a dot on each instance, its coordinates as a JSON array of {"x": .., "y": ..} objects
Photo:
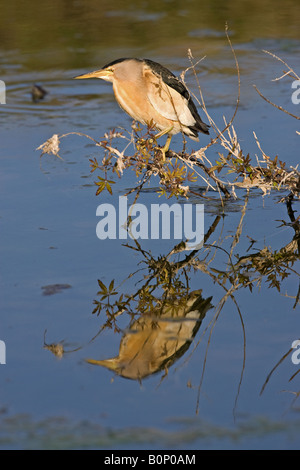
[{"x": 165, "y": 314}]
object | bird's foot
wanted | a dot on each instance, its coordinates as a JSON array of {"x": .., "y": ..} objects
[{"x": 163, "y": 152}]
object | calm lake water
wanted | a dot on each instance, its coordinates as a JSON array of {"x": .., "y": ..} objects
[{"x": 208, "y": 395}]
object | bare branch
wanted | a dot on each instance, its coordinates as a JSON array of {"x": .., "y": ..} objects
[{"x": 275, "y": 105}]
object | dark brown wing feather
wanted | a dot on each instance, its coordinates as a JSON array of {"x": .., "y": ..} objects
[{"x": 172, "y": 81}]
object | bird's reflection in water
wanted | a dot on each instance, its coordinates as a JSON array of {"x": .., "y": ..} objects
[{"x": 156, "y": 340}]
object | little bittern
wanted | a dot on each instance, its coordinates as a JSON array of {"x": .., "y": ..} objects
[{"x": 152, "y": 95}]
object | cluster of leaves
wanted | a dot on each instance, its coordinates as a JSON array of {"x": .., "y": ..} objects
[
  {"x": 164, "y": 286},
  {"x": 272, "y": 266},
  {"x": 241, "y": 165},
  {"x": 105, "y": 294},
  {"x": 145, "y": 162}
]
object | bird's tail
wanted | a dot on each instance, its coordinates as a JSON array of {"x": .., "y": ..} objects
[{"x": 199, "y": 126}]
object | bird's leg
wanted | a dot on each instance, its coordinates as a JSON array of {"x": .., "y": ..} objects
[{"x": 165, "y": 148}]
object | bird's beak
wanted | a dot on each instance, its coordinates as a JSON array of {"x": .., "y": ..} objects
[
  {"x": 112, "y": 364},
  {"x": 104, "y": 74}
]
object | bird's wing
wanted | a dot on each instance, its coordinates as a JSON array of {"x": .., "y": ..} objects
[{"x": 167, "y": 100}]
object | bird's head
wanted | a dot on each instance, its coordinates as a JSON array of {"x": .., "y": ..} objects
[{"x": 118, "y": 70}]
